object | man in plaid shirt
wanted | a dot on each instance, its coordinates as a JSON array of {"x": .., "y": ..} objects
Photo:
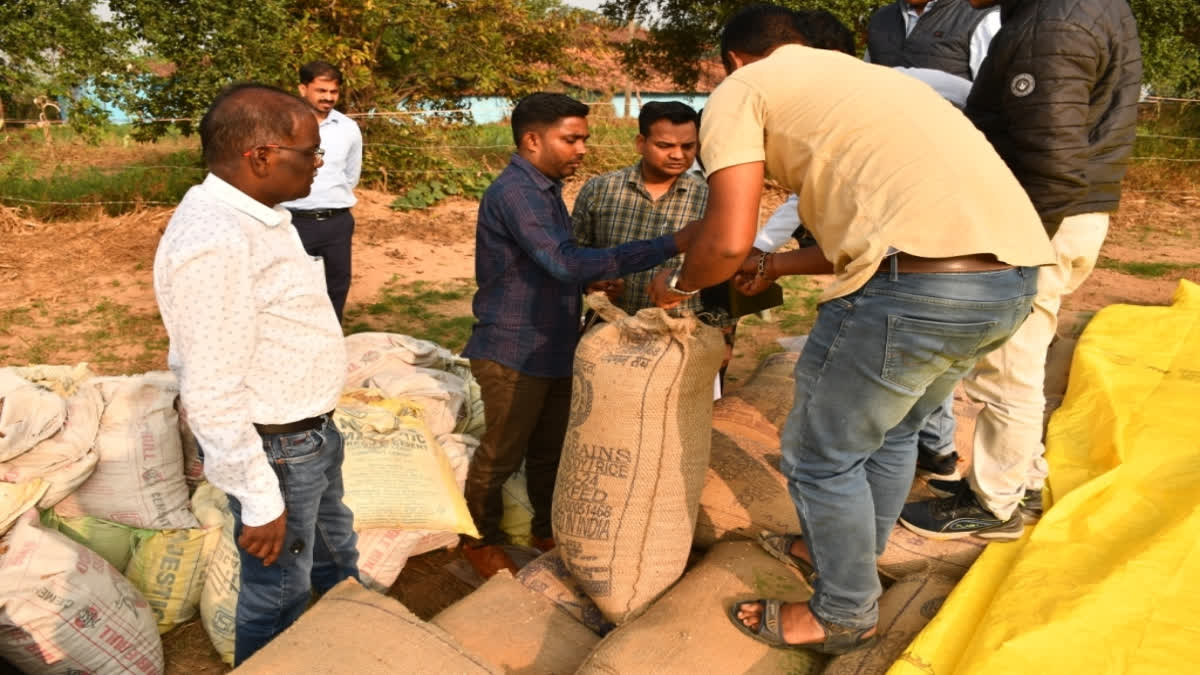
[{"x": 654, "y": 197}]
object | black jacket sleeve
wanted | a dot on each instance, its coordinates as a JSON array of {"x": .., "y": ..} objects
[{"x": 1048, "y": 86}]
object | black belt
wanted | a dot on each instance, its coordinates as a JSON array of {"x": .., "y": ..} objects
[
  {"x": 317, "y": 214},
  {"x": 292, "y": 427},
  {"x": 911, "y": 264}
]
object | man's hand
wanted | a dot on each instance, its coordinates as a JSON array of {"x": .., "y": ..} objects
[
  {"x": 613, "y": 288},
  {"x": 662, "y": 296},
  {"x": 265, "y": 541},
  {"x": 747, "y": 279}
]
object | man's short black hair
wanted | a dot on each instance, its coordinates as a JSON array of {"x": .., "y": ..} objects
[
  {"x": 823, "y": 30},
  {"x": 245, "y": 116},
  {"x": 757, "y": 29},
  {"x": 673, "y": 111},
  {"x": 540, "y": 110},
  {"x": 314, "y": 69}
]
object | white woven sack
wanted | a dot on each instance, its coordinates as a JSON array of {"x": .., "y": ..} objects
[
  {"x": 66, "y": 459},
  {"x": 139, "y": 478},
  {"x": 368, "y": 354},
  {"x": 29, "y": 414},
  {"x": 441, "y": 394},
  {"x": 64, "y": 609}
]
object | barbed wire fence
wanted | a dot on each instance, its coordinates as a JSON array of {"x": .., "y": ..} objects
[{"x": 458, "y": 114}]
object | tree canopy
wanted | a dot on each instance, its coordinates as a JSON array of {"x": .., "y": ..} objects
[
  {"x": 1170, "y": 35},
  {"x": 48, "y": 49},
  {"x": 160, "y": 59},
  {"x": 166, "y": 58},
  {"x": 683, "y": 31}
]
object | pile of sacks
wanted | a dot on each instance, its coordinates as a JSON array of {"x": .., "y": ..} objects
[
  {"x": 110, "y": 536},
  {"x": 411, "y": 416},
  {"x": 621, "y": 592},
  {"x": 625, "y": 591},
  {"x": 116, "y": 555}
]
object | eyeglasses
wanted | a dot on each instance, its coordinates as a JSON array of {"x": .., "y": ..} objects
[{"x": 318, "y": 153}]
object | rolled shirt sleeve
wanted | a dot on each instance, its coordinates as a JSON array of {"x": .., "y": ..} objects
[{"x": 731, "y": 131}]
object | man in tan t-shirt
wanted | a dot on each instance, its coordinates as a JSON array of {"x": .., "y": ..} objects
[{"x": 932, "y": 244}]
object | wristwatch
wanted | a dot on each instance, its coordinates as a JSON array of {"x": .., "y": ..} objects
[{"x": 674, "y": 279}]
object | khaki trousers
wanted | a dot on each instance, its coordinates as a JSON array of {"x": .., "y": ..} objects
[{"x": 1008, "y": 453}]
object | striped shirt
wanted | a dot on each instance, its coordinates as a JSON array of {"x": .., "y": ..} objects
[{"x": 616, "y": 208}]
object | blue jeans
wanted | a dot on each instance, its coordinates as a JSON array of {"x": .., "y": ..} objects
[
  {"x": 937, "y": 434},
  {"x": 875, "y": 365},
  {"x": 319, "y": 549}
]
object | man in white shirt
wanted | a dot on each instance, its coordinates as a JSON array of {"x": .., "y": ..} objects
[
  {"x": 323, "y": 218},
  {"x": 260, "y": 356}
]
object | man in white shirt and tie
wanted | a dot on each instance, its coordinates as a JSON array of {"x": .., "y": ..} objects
[
  {"x": 323, "y": 218},
  {"x": 260, "y": 356}
]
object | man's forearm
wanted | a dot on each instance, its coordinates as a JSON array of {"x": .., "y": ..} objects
[
  {"x": 801, "y": 261},
  {"x": 712, "y": 258},
  {"x": 725, "y": 235}
]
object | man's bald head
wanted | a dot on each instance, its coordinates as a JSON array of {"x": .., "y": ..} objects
[{"x": 244, "y": 116}]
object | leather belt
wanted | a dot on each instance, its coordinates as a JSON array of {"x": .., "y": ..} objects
[
  {"x": 292, "y": 427},
  {"x": 317, "y": 214},
  {"x": 911, "y": 264}
]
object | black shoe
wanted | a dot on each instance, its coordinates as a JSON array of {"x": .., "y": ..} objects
[
  {"x": 937, "y": 466},
  {"x": 948, "y": 488},
  {"x": 960, "y": 515},
  {"x": 1030, "y": 507}
]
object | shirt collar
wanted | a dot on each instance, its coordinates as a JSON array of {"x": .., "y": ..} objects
[
  {"x": 635, "y": 179},
  {"x": 541, "y": 180},
  {"x": 243, "y": 202},
  {"x": 908, "y": 9},
  {"x": 332, "y": 118}
]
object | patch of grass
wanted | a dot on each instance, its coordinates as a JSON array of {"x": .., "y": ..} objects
[
  {"x": 16, "y": 316},
  {"x": 109, "y": 334},
  {"x": 1145, "y": 270},
  {"x": 767, "y": 350},
  {"x": 43, "y": 349},
  {"x": 60, "y": 194},
  {"x": 799, "y": 310},
  {"x": 439, "y": 313}
]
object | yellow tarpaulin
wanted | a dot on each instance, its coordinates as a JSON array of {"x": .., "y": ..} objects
[{"x": 1109, "y": 580}]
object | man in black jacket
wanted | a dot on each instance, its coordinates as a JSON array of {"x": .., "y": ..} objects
[{"x": 1057, "y": 97}]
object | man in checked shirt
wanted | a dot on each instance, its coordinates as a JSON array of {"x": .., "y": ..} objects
[
  {"x": 530, "y": 272},
  {"x": 655, "y": 196}
]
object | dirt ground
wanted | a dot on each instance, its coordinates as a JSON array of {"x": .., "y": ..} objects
[{"x": 62, "y": 269}]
